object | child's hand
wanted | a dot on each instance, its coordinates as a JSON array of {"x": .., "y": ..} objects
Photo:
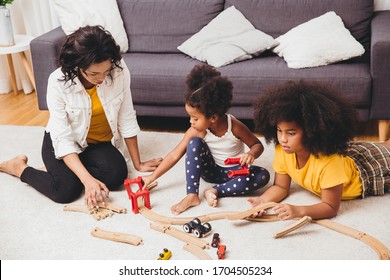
[
  {"x": 246, "y": 159},
  {"x": 149, "y": 165},
  {"x": 286, "y": 211},
  {"x": 255, "y": 201}
]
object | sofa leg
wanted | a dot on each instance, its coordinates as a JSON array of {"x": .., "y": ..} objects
[{"x": 383, "y": 127}]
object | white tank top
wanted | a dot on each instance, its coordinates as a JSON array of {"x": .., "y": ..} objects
[{"x": 227, "y": 146}]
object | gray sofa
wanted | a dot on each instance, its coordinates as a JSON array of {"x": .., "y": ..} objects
[{"x": 156, "y": 27}]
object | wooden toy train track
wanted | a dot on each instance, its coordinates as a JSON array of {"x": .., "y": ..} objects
[{"x": 382, "y": 251}]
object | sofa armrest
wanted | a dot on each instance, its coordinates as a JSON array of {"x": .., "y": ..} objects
[
  {"x": 45, "y": 50},
  {"x": 380, "y": 65}
]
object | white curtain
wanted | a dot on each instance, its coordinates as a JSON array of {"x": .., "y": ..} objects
[
  {"x": 31, "y": 17},
  {"x": 35, "y": 17}
]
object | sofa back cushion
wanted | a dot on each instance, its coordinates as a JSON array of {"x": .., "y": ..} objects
[
  {"x": 279, "y": 16},
  {"x": 160, "y": 26}
]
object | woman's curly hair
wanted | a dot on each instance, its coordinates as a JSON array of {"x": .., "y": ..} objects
[
  {"x": 86, "y": 46},
  {"x": 328, "y": 121},
  {"x": 208, "y": 91}
]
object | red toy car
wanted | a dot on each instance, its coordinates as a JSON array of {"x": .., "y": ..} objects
[{"x": 221, "y": 251}]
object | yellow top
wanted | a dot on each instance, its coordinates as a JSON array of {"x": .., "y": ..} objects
[
  {"x": 99, "y": 130},
  {"x": 320, "y": 173}
]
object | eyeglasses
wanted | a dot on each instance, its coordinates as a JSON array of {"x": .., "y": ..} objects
[{"x": 94, "y": 75}]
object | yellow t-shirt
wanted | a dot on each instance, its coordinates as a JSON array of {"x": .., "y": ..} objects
[
  {"x": 99, "y": 130},
  {"x": 320, "y": 173}
]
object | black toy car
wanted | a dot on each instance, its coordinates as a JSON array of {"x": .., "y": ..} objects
[
  {"x": 197, "y": 228},
  {"x": 215, "y": 241}
]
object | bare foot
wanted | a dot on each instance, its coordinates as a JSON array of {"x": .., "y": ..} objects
[
  {"x": 211, "y": 196},
  {"x": 14, "y": 166},
  {"x": 187, "y": 202}
]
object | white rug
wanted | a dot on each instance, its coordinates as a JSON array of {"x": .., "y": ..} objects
[{"x": 34, "y": 227}]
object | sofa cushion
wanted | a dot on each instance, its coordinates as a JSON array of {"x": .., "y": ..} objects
[
  {"x": 277, "y": 17},
  {"x": 163, "y": 85},
  {"x": 160, "y": 26},
  {"x": 74, "y": 14},
  {"x": 320, "y": 41},
  {"x": 228, "y": 38}
]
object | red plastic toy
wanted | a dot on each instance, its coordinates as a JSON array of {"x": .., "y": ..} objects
[
  {"x": 133, "y": 196},
  {"x": 221, "y": 251},
  {"x": 240, "y": 172}
]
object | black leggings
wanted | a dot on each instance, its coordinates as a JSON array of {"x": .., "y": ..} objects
[{"x": 103, "y": 161}]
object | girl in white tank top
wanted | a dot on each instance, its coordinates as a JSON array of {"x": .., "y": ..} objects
[{"x": 213, "y": 137}]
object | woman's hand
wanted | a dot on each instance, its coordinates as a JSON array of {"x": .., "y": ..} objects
[
  {"x": 149, "y": 165},
  {"x": 93, "y": 192}
]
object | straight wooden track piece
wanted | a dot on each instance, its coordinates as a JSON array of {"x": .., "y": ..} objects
[
  {"x": 117, "y": 236},
  {"x": 249, "y": 212},
  {"x": 113, "y": 207},
  {"x": 79, "y": 208},
  {"x": 152, "y": 185},
  {"x": 167, "y": 229},
  {"x": 382, "y": 251},
  {"x": 301, "y": 222},
  {"x": 196, "y": 251}
]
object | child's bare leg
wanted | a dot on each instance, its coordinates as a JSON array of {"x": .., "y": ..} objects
[
  {"x": 190, "y": 200},
  {"x": 211, "y": 196},
  {"x": 14, "y": 166}
]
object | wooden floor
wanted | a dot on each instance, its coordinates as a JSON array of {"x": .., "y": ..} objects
[{"x": 23, "y": 109}]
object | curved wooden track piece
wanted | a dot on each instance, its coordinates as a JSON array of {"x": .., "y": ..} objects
[
  {"x": 301, "y": 222},
  {"x": 181, "y": 235},
  {"x": 117, "y": 236},
  {"x": 196, "y": 251},
  {"x": 250, "y": 212},
  {"x": 382, "y": 251},
  {"x": 153, "y": 216}
]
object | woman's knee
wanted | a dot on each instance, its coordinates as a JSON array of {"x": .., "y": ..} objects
[{"x": 66, "y": 192}]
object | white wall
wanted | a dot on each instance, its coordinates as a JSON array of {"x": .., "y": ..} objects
[{"x": 382, "y": 5}]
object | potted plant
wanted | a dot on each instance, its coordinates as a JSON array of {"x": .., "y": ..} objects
[
  {"x": 4, "y": 2},
  {"x": 6, "y": 33}
]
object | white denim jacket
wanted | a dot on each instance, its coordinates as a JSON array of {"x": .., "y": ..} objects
[{"x": 70, "y": 111}]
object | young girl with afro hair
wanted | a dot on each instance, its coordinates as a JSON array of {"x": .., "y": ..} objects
[
  {"x": 213, "y": 136},
  {"x": 313, "y": 128}
]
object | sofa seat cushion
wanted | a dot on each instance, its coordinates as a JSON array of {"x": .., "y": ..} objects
[
  {"x": 352, "y": 78},
  {"x": 160, "y": 79}
]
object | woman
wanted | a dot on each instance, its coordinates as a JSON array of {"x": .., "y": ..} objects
[{"x": 91, "y": 113}]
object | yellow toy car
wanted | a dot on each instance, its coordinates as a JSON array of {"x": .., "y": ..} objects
[{"x": 165, "y": 255}]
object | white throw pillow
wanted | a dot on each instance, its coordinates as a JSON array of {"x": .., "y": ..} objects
[
  {"x": 74, "y": 14},
  {"x": 228, "y": 38},
  {"x": 319, "y": 41}
]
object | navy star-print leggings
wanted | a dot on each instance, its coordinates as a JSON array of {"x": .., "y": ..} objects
[{"x": 200, "y": 164}]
